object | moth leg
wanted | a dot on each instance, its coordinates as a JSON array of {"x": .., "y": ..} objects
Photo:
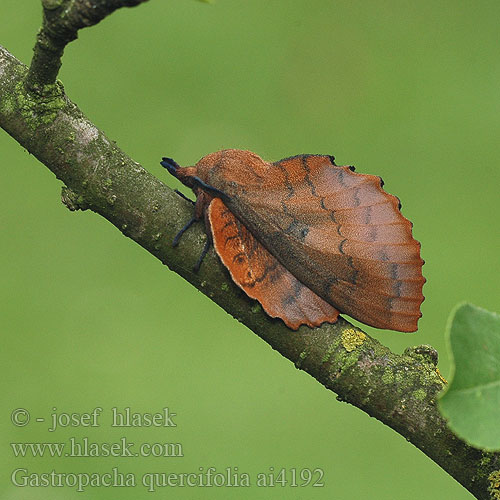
[
  {"x": 208, "y": 242},
  {"x": 199, "y": 212},
  {"x": 206, "y": 247},
  {"x": 178, "y": 236},
  {"x": 182, "y": 195},
  {"x": 204, "y": 252}
]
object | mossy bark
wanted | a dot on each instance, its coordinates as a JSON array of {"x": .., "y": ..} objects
[{"x": 399, "y": 390}]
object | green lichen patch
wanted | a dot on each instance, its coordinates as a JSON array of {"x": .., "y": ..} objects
[
  {"x": 72, "y": 200},
  {"x": 352, "y": 339},
  {"x": 494, "y": 487},
  {"x": 419, "y": 394},
  {"x": 40, "y": 107},
  {"x": 255, "y": 308},
  {"x": 328, "y": 353},
  {"x": 7, "y": 104},
  {"x": 388, "y": 376},
  {"x": 300, "y": 360},
  {"x": 424, "y": 353},
  {"x": 52, "y": 4}
]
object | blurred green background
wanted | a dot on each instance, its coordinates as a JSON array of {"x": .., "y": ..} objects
[{"x": 404, "y": 90}]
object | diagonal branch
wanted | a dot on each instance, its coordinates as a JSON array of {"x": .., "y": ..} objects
[
  {"x": 61, "y": 21},
  {"x": 399, "y": 390}
]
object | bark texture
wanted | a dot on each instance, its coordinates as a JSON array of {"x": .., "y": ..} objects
[{"x": 399, "y": 390}]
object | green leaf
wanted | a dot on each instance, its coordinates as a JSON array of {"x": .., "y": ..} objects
[{"x": 472, "y": 402}]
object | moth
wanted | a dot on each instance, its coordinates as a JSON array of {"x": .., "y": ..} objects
[{"x": 307, "y": 238}]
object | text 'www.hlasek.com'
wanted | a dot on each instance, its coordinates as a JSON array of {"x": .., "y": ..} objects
[{"x": 122, "y": 475}]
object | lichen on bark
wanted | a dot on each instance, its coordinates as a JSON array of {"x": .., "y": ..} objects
[{"x": 399, "y": 390}]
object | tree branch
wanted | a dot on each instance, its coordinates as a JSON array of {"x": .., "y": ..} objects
[
  {"x": 399, "y": 390},
  {"x": 61, "y": 21}
]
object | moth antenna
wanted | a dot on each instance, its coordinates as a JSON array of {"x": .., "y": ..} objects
[
  {"x": 177, "y": 238},
  {"x": 204, "y": 252},
  {"x": 182, "y": 195}
]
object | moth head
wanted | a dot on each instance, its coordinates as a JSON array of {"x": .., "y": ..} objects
[
  {"x": 222, "y": 174},
  {"x": 184, "y": 174}
]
